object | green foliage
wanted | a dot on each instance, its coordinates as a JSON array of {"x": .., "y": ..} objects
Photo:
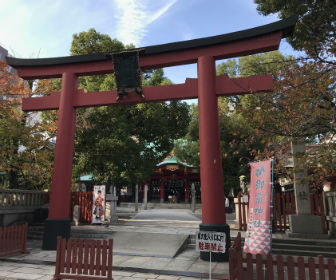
[
  {"x": 259, "y": 126},
  {"x": 123, "y": 142},
  {"x": 25, "y": 157},
  {"x": 302, "y": 105},
  {"x": 93, "y": 42},
  {"x": 230, "y": 68},
  {"x": 188, "y": 150},
  {"x": 304, "y": 99},
  {"x": 315, "y": 30},
  {"x": 235, "y": 141}
]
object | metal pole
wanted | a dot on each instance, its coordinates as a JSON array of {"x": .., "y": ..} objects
[{"x": 210, "y": 266}]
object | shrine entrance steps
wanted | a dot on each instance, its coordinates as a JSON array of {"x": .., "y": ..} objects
[
  {"x": 158, "y": 205},
  {"x": 283, "y": 245}
]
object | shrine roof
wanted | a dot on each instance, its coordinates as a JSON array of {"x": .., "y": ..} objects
[
  {"x": 286, "y": 26},
  {"x": 88, "y": 177},
  {"x": 173, "y": 159}
]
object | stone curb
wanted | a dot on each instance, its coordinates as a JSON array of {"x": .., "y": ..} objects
[{"x": 133, "y": 269}]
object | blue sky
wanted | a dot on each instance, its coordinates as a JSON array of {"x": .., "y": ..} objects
[{"x": 44, "y": 28}]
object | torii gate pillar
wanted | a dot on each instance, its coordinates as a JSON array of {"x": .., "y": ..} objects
[
  {"x": 206, "y": 88},
  {"x": 58, "y": 222},
  {"x": 213, "y": 203}
]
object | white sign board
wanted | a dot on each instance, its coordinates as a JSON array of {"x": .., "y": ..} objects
[{"x": 211, "y": 241}]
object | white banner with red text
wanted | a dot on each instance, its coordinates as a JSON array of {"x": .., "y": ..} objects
[{"x": 258, "y": 234}]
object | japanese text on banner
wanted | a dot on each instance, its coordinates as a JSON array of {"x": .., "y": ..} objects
[{"x": 258, "y": 234}]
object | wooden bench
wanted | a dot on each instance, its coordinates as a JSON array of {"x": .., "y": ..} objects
[
  {"x": 84, "y": 259},
  {"x": 13, "y": 240}
]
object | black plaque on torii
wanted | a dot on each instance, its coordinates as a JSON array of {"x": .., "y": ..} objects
[{"x": 127, "y": 72}]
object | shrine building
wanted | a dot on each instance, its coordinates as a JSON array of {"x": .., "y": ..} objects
[{"x": 172, "y": 181}]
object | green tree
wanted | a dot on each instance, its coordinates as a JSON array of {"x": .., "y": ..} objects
[
  {"x": 25, "y": 155},
  {"x": 91, "y": 42},
  {"x": 307, "y": 91},
  {"x": 237, "y": 144},
  {"x": 123, "y": 142},
  {"x": 315, "y": 29},
  {"x": 243, "y": 138},
  {"x": 302, "y": 105}
]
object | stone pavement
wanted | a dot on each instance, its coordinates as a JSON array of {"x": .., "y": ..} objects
[
  {"x": 24, "y": 271},
  {"x": 39, "y": 264},
  {"x": 187, "y": 265}
]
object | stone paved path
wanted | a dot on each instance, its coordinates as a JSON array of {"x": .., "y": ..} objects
[
  {"x": 21, "y": 271},
  {"x": 40, "y": 264}
]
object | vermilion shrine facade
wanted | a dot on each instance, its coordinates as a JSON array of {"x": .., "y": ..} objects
[
  {"x": 207, "y": 87},
  {"x": 172, "y": 181}
]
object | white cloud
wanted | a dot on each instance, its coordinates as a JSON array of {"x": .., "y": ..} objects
[
  {"x": 41, "y": 28},
  {"x": 134, "y": 16},
  {"x": 26, "y": 28}
]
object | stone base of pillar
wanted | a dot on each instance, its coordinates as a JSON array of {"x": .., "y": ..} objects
[
  {"x": 161, "y": 200},
  {"x": 304, "y": 224},
  {"x": 217, "y": 257},
  {"x": 112, "y": 202},
  {"x": 54, "y": 228},
  {"x": 76, "y": 215},
  {"x": 113, "y": 218}
]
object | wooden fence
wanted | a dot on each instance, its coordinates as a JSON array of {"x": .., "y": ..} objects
[
  {"x": 84, "y": 200},
  {"x": 13, "y": 240},
  {"x": 236, "y": 259},
  {"x": 83, "y": 259},
  {"x": 242, "y": 211},
  {"x": 283, "y": 206},
  {"x": 260, "y": 267}
]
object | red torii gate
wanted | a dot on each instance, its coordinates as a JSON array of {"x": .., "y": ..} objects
[{"x": 206, "y": 88}]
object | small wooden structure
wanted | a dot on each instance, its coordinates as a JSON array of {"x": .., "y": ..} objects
[
  {"x": 13, "y": 240},
  {"x": 84, "y": 259},
  {"x": 277, "y": 267},
  {"x": 85, "y": 201},
  {"x": 283, "y": 206}
]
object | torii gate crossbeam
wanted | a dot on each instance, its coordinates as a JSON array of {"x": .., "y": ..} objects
[
  {"x": 224, "y": 87},
  {"x": 206, "y": 87}
]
